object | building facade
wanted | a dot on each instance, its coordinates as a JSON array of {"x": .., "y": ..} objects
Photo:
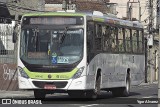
[{"x": 78, "y": 5}]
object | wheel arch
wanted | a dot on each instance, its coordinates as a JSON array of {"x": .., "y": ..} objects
[{"x": 128, "y": 73}]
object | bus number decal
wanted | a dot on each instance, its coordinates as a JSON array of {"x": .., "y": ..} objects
[{"x": 62, "y": 59}]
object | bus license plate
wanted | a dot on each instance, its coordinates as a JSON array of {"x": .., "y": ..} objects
[{"x": 50, "y": 87}]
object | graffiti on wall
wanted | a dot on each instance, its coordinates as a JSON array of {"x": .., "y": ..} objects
[
  {"x": 8, "y": 77},
  {"x": 9, "y": 74}
]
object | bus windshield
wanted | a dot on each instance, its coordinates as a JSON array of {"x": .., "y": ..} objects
[{"x": 51, "y": 46}]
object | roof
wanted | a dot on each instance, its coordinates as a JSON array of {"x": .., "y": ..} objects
[
  {"x": 55, "y": 14},
  {"x": 85, "y": 5},
  {"x": 24, "y": 6},
  {"x": 97, "y": 6},
  {"x": 73, "y": 1}
]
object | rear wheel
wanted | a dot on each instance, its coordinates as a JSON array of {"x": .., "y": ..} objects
[
  {"x": 39, "y": 94},
  {"x": 124, "y": 91}
]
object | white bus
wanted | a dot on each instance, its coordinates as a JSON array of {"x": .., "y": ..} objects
[{"x": 79, "y": 53}]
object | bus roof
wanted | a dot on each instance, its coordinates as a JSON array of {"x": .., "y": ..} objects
[
  {"x": 55, "y": 14},
  {"x": 95, "y": 17}
]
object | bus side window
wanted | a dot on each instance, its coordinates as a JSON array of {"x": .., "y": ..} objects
[
  {"x": 134, "y": 40},
  {"x": 90, "y": 45},
  {"x": 114, "y": 39},
  {"x": 98, "y": 37},
  {"x": 128, "y": 40},
  {"x": 121, "y": 40},
  {"x": 98, "y": 30},
  {"x": 140, "y": 43},
  {"x": 106, "y": 41}
]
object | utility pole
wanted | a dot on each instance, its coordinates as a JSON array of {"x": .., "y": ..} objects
[
  {"x": 158, "y": 24},
  {"x": 159, "y": 69},
  {"x": 64, "y": 5},
  {"x": 150, "y": 36},
  {"x": 16, "y": 29},
  {"x": 130, "y": 9}
]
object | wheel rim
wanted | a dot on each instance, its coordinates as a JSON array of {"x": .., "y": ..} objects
[{"x": 127, "y": 86}]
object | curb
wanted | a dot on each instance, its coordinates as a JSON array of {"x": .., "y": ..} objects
[{"x": 141, "y": 84}]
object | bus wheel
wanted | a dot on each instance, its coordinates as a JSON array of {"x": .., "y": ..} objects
[
  {"x": 39, "y": 94},
  {"x": 94, "y": 93},
  {"x": 124, "y": 91}
]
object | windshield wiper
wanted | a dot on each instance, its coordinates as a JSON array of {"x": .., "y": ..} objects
[
  {"x": 64, "y": 35},
  {"x": 36, "y": 39}
]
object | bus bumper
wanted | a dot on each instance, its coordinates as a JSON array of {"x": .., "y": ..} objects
[{"x": 71, "y": 84}]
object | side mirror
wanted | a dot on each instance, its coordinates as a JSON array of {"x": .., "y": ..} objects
[
  {"x": 15, "y": 30},
  {"x": 14, "y": 38}
]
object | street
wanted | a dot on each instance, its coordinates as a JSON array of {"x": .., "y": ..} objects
[{"x": 146, "y": 93}]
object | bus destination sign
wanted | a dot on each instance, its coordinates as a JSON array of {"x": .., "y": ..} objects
[{"x": 53, "y": 20}]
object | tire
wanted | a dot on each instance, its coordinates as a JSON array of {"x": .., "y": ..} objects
[
  {"x": 93, "y": 94},
  {"x": 39, "y": 94},
  {"x": 123, "y": 91},
  {"x": 126, "y": 90}
]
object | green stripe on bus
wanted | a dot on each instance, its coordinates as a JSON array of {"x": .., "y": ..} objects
[
  {"x": 53, "y": 76},
  {"x": 98, "y": 19}
]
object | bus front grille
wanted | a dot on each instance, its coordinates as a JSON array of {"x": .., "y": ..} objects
[{"x": 58, "y": 84}]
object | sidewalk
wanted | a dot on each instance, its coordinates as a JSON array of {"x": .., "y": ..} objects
[{"x": 156, "y": 82}]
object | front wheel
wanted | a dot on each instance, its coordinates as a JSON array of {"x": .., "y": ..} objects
[{"x": 94, "y": 93}]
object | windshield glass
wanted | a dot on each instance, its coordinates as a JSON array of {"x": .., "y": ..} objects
[{"x": 51, "y": 46}]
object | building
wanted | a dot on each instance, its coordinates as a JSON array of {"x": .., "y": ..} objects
[
  {"x": 78, "y": 5},
  {"x": 21, "y": 7},
  {"x": 4, "y": 13}
]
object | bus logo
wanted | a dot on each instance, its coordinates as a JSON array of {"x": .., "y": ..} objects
[{"x": 49, "y": 76}]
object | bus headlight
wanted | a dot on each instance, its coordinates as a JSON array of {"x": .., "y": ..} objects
[
  {"x": 78, "y": 73},
  {"x": 23, "y": 73}
]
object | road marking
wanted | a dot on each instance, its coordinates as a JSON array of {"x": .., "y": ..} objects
[
  {"x": 89, "y": 105},
  {"x": 148, "y": 97}
]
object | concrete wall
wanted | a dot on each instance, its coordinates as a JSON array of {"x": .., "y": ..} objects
[{"x": 8, "y": 60}]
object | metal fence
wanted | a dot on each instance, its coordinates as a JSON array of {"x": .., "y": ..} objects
[
  {"x": 8, "y": 60},
  {"x": 7, "y": 48}
]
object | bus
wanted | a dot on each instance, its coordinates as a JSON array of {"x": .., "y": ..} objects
[{"x": 79, "y": 54}]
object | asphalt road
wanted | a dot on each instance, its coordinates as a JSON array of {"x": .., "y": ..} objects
[{"x": 144, "y": 94}]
